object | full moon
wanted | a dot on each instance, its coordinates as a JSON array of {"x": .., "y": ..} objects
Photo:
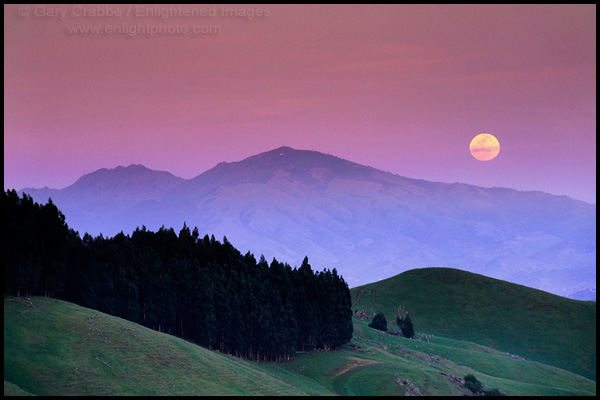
[{"x": 484, "y": 147}]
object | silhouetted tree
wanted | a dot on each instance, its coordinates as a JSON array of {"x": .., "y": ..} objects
[
  {"x": 379, "y": 322},
  {"x": 407, "y": 327},
  {"x": 472, "y": 383},
  {"x": 202, "y": 290}
]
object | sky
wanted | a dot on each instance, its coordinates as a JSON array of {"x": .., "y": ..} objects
[{"x": 402, "y": 88}]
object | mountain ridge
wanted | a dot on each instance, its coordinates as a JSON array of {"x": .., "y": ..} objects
[
  {"x": 223, "y": 164},
  {"x": 367, "y": 223}
]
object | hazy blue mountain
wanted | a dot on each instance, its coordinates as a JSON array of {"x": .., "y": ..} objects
[
  {"x": 585, "y": 294},
  {"x": 106, "y": 201},
  {"x": 367, "y": 223}
]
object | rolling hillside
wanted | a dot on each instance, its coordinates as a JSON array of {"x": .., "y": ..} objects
[
  {"x": 52, "y": 347},
  {"x": 511, "y": 318}
]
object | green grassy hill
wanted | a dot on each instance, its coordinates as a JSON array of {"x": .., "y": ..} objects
[
  {"x": 473, "y": 308},
  {"x": 52, "y": 347},
  {"x": 375, "y": 363}
]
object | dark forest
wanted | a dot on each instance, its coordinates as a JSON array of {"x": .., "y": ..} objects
[{"x": 196, "y": 288}]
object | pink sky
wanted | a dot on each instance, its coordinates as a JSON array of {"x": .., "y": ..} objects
[{"x": 400, "y": 88}]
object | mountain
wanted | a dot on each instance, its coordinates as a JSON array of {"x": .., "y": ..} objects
[
  {"x": 366, "y": 223},
  {"x": 585, "y": 295},
  {"x": 105, "y": 201}
]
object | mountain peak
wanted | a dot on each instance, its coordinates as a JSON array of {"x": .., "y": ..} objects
[
  {"x": 132, "y": 167},
  {"x": 289, "y": 158},
  {"x": 301, "y": 165},
  {"x": 284, "y": 149},
  {"x": 132, "y": 177}
]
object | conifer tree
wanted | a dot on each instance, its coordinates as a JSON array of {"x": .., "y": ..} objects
[
  {"x": 407, "y": 327},
  {"x": 201, "y": 290},
  {"x": 379, "y": 322}
]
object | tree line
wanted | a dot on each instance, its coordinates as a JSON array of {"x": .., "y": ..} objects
[{"x": 196, "y": 288}]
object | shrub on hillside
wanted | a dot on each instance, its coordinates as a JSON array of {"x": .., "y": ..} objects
[
  {"x": 379, "y": 322},
  {"x": 405, "y": 323},
  {"x": 472, "y": 383},
  {"x": 493, "y": 392},
  {"x": 407, "y": 328}
]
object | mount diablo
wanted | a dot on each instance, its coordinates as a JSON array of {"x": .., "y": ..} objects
[{"x": 366, "y": 223}]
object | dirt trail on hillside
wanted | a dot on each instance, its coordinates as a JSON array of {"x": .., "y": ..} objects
[{"x": 354, "y": 363}]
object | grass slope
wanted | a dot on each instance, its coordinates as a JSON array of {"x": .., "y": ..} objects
[
  {"x": 473, "y": 308},
  {"x": 52, "y": 347},
  {"x": 60, "y": 348},
  {"x": 11, "y": 389},
  {"x": 379, "y": 364}
]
